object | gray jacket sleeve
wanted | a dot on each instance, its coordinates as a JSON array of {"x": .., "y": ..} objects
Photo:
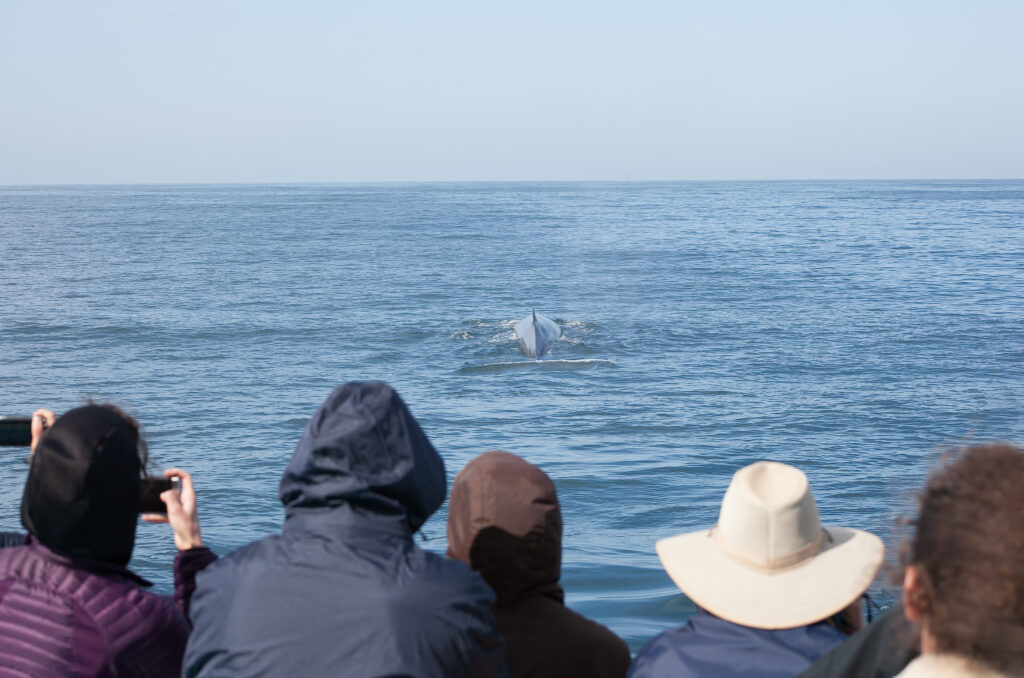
[
  {"x": 880, "y": 650},
  {"x": 11, "y": 539}
]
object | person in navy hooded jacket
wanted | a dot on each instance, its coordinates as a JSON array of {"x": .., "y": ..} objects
[
  {"x": 775, "y": 589},
  {"x": 344, "y": 590}
]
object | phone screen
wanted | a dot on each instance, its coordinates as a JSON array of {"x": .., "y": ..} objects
[
  {"x": 149, "y": 494},
  {"x": 16, "y": 431}
]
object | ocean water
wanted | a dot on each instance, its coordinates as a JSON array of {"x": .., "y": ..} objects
[{"x": 854, "y": 329}]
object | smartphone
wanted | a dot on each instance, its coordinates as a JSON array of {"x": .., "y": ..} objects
[
  {"x": 149, "y": 493},
  {"x": 16, "y": 431}
]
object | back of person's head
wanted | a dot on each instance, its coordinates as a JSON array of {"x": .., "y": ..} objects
[
  {"x": 768, "y": 562},
  {"x": 363, "y": 448},
  {"x": 82, "y": 494},
  {"x": 504, "y": 521},
  {"x": 968, "y": 556}
]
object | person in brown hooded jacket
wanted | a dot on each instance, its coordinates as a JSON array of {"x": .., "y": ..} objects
[{"x": 504, "y": 521}]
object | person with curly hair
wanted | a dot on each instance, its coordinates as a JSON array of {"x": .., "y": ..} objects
[{"x": 964, "y": 581}]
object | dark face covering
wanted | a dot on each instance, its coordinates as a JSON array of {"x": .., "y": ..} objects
[
  {"x": 82, "y": 495},
  {"x": 504, "y": 521}
]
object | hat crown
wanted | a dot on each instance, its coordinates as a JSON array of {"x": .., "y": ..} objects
[{"x": 769, "y": 519}]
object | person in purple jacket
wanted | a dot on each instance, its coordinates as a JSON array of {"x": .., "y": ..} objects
[{"x": 69, "y": 607}]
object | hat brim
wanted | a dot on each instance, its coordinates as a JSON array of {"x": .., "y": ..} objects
[{"x": 803, "y": 594}]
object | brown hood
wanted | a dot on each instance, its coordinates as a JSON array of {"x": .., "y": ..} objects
[{"x": 504, "y": 521}]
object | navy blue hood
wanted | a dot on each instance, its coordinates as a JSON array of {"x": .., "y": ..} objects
[{"x": 362, "y": 448}]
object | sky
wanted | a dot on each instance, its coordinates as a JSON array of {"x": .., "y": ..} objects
[{"x": 183, "y": 91}]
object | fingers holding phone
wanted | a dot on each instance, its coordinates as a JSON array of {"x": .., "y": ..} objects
[
  {"x": 42, "y": 419},
  {"x": 179, "y": 502},
  {"x": 25, "y": 431}
]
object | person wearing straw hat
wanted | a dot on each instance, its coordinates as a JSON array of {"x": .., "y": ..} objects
[{"x": 775, "y": 589}]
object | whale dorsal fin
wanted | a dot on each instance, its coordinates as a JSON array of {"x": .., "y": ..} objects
[{"x": 534, "y": 316}]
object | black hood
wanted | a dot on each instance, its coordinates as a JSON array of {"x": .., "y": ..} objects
[
  {"x": 363, "y": 449},
  {"x": 82, "y": 494}
]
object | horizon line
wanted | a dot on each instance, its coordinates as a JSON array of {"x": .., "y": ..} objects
[{"x": 405, "y": 182}]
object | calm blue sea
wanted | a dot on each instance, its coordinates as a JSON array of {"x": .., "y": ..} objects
[{"x": 854, "y": 329}]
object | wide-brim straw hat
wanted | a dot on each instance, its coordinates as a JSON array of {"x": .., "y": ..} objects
[{"x": 769, "y": 563}]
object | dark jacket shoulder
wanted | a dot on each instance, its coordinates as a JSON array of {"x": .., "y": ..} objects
[
  {"x": 880, "y": 650},
  {"x": 11, "y": 539},
  {"x": 709, "y": 647},
  {"x": 546, "y": 639}
]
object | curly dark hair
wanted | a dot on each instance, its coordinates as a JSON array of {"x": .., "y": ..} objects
[{"x": 969, "y": 550}]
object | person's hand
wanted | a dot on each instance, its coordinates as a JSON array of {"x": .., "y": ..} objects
[
  {"x": 181, "y": 512},
  {"x": 42, "y": 419}
]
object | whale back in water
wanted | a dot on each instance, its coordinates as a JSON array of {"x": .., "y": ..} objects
[{"x": 537, "y": 332}]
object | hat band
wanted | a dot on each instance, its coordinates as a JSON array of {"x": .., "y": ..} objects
[{"x": 767, "y": 564}]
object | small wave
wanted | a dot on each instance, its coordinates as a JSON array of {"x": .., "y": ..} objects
[
  {"x": 537, "y": 365},
  {"x": 35, "y": 328},
  {"x": 462, "y": 335},
  {"x": 581, "y": 325},
  {"x": 502, "y": 337}
]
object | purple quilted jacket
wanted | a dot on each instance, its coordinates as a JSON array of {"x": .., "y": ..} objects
[{"x": 61, "y": 621}]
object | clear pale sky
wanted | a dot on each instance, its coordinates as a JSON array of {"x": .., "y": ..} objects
[{"x": 125, "y": 91}]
